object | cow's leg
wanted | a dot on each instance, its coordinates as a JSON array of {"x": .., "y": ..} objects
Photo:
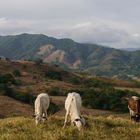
[
  {"x": 66, "y": 118},
  {"x": 131, "y": 118},
  {"x": 45, "y": 114},
  {"x": 131, "y": 114},
  {"x": 37, "y": 119},
  {"x": 43, "y": 117}
]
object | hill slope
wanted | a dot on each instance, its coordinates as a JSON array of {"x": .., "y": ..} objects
[{"x": 93, "y": 58}]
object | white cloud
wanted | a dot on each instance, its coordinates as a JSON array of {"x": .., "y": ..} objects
[
  {"x": 135, "y": 35},
  {"x": 3, "y": 20},
  {"x": 107, "y": 22}
]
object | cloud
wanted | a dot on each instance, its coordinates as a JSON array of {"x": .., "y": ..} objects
[
  {"x": 106, "y": 22},
  {"x": 3, "y": 20},
  {"x": 14, "y": 26}
]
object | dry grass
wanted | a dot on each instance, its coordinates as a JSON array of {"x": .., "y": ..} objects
[
  {"x": 33, "y": 76},
  {"x": 11, "y": 107},
  {"x": 98, "y": 128}
]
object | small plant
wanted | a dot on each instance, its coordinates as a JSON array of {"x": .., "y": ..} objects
[
  {"x": 91, "y": 82},
  {"x": 7, "y": 78},
  {"x": 24, "y": 66},
  {"x": 54, "y": 92},
  {"x": 38, "y": 61},
  {"x": 53, "y": 108},
  {"x": 16, "y": 73},
  {"x": 55, "y": 75},
  {"x": 75, "y": 81},
  {"x": 21, "y": 96}
]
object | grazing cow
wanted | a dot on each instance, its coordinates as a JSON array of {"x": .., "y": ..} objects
[
  {"x": 41, "y": 105},
  {"x": 134, "y": 107},
  {"x": 72, "y": 106}
]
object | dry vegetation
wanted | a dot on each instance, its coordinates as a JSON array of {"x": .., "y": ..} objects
[
  {"x": 101, "y": 124},
  {"x": 11, "y": 107},
  {"x": 106, "y": 128}
]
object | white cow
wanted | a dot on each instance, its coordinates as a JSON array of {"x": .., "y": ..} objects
[
  {"x": 72, "y": 106},
  {"x": 41, "y": 105}
]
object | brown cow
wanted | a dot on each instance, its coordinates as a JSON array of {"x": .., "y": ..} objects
[{"x": 134, "y": 107}]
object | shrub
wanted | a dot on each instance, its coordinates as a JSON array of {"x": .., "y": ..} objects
[
  {"x": 7, "y": 78},
  {"x": 24, "y": 66},
  {"x": 96, "y": 83},
  {"x": 55, "y": 75},
  {"x": 38, "y": 61},
  {"x": 53, "y": 108},
  {"x": 21, "y": 96},
  {"x": 53, "y": 92},
  {"x": 75, "y": 80},
  {"x": 16, "y": 73},
  {"x": 3, "y": 86},
  {"x": 109, "y": 99}
]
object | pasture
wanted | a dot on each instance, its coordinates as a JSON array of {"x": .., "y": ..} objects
[
  {"x": 98, "y": 128},
  {"x": 22, "y": 82}
]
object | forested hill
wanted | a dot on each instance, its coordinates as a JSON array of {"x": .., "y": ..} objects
[{"x": 93, "y": 58}]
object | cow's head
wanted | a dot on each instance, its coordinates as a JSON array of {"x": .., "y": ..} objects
[
  {"x": 38, "y": 119},
  {"x": 137, "y": 117},
  {"x": 79, "y": 122}
]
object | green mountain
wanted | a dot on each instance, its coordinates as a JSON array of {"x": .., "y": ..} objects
[{"x": 92, "y": 58}]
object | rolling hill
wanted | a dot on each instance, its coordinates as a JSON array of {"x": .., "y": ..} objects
[
  {"x": 92, "y": 58},
  {"x": 22, "y": 81}
]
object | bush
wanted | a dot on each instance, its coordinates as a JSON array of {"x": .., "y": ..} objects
[
  {"x": 38, "y": 61},
  {"x": 53, "y": 92},
  {"x": 55, "y": 75},
  {"x": 3, "y": 86},
  {"x": 53, "y": 108},
  {"x": 96, "y": 83},
  {"x": 16, "y": 73},
  {"x": 21, "y": 96},
  {"x": 75, "y": 80},
  {"x": 7, "y": 78},
  {"x": 109, "y": 99},
  {"x": 24, "y": 66}
]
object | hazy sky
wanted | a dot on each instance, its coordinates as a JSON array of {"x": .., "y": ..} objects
[{"x": 109, "y": 22}]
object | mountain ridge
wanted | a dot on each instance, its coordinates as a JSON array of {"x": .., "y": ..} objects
[{"x": 92, "y": 58}]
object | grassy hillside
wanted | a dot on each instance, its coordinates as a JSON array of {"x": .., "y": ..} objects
[
  {"x": 24, "y": 80},
  {"x": 92, "y": 58},
  {"x": 106, "y": 128},
  {"x": 21, "y": 81}
]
